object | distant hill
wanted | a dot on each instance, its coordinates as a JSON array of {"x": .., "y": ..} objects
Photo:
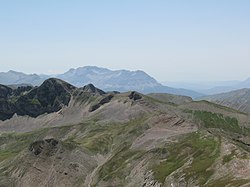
[
  {"x": 211, "y": 87},
  {"x": 105, "y": 79},
  {"x": 227, "y": 87},
  {"x": 13, "y": 77},
  {"x": 238, "y": 99},
  {"x": 244, "y": 84}
]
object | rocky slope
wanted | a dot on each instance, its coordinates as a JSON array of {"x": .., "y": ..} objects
[
  {"x": 124, "y": 139},
  {"x": 238, "y": 99},
  {"x": 47, "y": 98}
]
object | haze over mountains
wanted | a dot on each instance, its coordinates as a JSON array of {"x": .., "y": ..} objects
[
  {"x": 213, "y": 87},
  {"x": 108, "y": 80},
  {"x": 124, "y": 80},
  {"x": 13, "y": 77}
]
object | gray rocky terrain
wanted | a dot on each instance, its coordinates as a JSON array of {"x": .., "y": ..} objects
[{"x": 88, "y": 137}]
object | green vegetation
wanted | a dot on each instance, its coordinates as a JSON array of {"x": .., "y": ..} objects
[
  {"x": 165, "y": 168},
  {"x": 117, "y": 166},
  {"x": 101, "y": 138},
  {"x": 114, "y": 138},
  {"x": 152, "y": 99},
  {"x": 35, "y": 102},
  {"x": 15, "y": 143},
  {"x": 13, "y": 99},
  {"x": 99, "y": 142},
  {"x": 206, "y": 151},
  {"x": 228, "y": 158},
  {"x": 191, "y": 157},
  {"x": 214, "y": 120},
  {"x": 85, "y": 98},
  {"x": 96, "y": 137},
  {"x": 219, "y": 106},
  {"x": 229, "y": 181},
  {"x": 4, "y": 154},
  {"x": 203, "y": 151}
]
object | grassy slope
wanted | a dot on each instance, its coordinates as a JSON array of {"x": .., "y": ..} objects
[{"x": 202, "y": 148}]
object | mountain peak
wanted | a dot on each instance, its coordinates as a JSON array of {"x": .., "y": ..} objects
[
  {"x": 51, "y": 96},
  {"x": 55, "y": 82},
  {"x": 91, "y": 68},
  {"x": 90, "y": 88},
  {"x": 12, "y": 71},
  {"x": 103, "y": 78}
]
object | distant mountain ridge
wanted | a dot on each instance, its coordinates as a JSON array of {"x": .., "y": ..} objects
[
  {"x": 121, "y": 80},
  {"x": 105, "y": 79},
  {"x": 238, "y": 99},
  {"x": 12, "y": 77},
  {"x": 213, "y": 87}
]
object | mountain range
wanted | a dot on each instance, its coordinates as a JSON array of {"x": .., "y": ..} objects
[
  {"x": 211, "y": 88},
  {"x": 108, "y": 80},
  {"x": 57, "y": 134},
  {"x": 238, "y": 99}
]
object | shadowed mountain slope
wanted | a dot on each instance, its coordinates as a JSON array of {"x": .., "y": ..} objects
[{"x": 47, "y": 98}]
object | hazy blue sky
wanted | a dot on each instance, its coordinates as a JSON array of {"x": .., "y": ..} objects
[{"x": 172, "y": 40}]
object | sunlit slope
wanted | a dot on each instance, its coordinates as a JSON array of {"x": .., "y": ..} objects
[{"x": 126, "y": 139}]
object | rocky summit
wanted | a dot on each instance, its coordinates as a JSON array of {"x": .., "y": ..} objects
[
  {"x": 59, "y": 135},
  {"x": 47, "y": 98}
]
